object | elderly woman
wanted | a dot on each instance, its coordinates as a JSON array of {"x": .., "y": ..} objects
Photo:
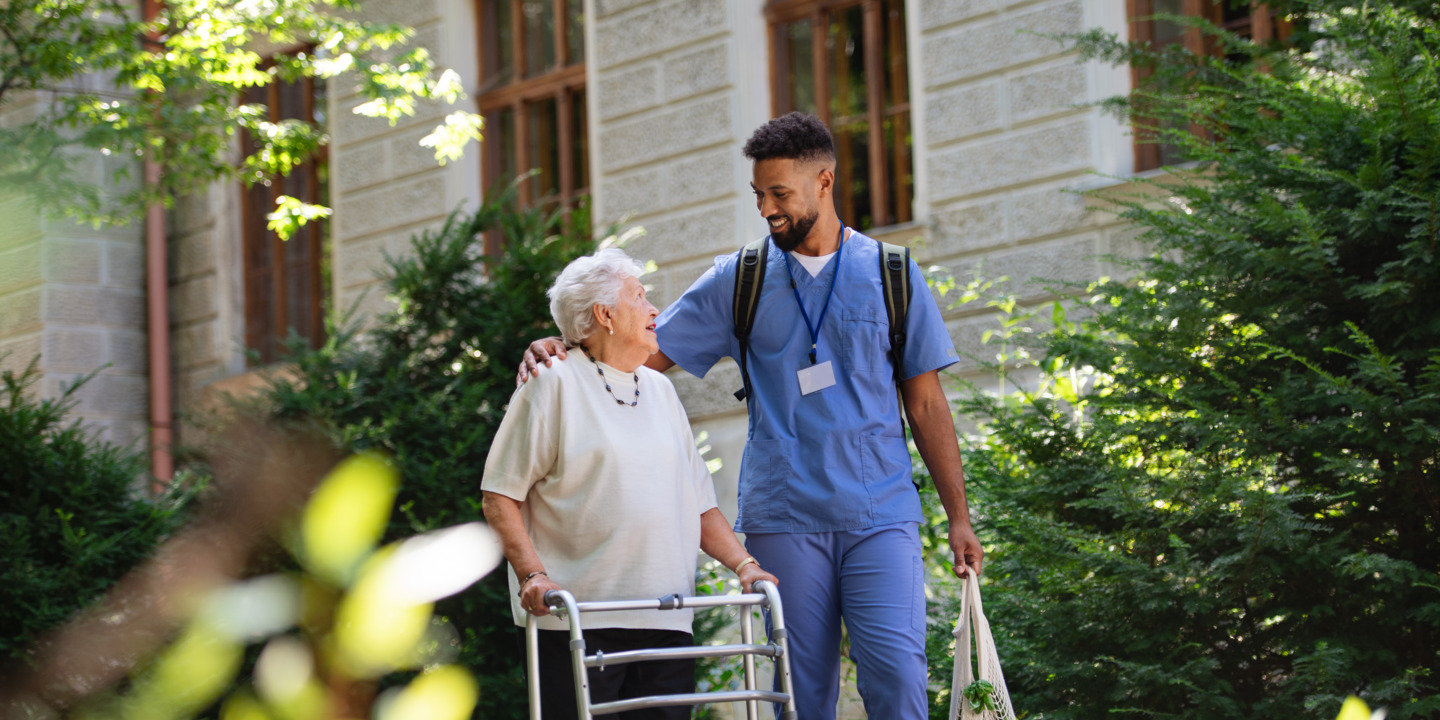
[{"x": 594, "y": 485}]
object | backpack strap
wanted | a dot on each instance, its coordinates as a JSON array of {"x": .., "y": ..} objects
[
  {"x": 895, "y": 279},
  {"x": 749, "y": 278},
  {"x": 895, "y": 282}
]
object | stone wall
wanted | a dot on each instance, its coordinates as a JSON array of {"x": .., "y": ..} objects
[
  {"x": 669, "y": 118},
  {"x": 207, "y": 299},
  {"x": 384, "y": 186},
  {"x": 74, "y": 296},
  {"x": 1006, "y": 139}
]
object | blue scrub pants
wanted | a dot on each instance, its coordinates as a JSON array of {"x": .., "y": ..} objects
[{"x": 875, "y": 580}]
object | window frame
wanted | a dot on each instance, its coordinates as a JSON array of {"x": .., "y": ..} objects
[
  {"x": 564, "y": 84},
  {"x": 1261, "y": 22},
  {"x": 779, "y": 13},
  {"x": 274, "y": 307}
]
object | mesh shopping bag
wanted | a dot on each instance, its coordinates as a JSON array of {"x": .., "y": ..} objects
[{"x": 994, "y": 701}]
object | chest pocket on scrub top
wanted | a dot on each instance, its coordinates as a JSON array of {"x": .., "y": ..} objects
[{"x": 866, "y": 345}]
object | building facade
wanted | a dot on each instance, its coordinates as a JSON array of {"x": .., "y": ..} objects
[
  {"x": 963, "y": 129},
  {"x": 962, "y": 125}
]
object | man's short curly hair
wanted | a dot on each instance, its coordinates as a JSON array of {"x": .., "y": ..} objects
[{"x": 793, "y": 136}]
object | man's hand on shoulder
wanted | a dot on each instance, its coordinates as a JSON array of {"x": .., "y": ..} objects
[{"x": 540, "y": 352}]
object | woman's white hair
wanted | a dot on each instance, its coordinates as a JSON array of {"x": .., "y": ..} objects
[{"x": 584, "y": 283}]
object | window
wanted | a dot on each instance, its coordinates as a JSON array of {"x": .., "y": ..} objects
[
  {"x": 1255, "y": 21},
  {"x": 285, "y": 280},
  {"x": 844, "y": 61},
  {"x": 532, "y": 95}
]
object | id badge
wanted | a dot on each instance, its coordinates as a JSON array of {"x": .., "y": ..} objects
[{"x": 816, "y": 378}]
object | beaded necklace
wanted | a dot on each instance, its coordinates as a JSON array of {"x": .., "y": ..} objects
[{"x": 603, "y": 379}]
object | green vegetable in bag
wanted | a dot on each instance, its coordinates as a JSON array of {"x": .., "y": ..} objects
[{"x": 981, "y": 696}]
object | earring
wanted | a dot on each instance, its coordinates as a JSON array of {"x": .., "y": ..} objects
[{"x": 612, "y": 331}]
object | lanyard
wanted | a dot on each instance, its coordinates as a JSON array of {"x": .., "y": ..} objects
[{"x": 815, "y": 328}]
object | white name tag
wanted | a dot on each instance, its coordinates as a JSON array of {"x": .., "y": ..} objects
[{"x": 816, "y": 378}]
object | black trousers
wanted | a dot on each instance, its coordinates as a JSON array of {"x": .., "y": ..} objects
[{"x": 615, "y": 682}]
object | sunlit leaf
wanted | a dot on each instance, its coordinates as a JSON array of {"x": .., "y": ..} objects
[
  {"x": 444, "y": 693},
  {"x": 376, "y": 629},
  {"x": 1066, "y": 390},
  {"x": 449, "y": 139},
  {"x": 438, "y": 564},
  {"x": 254, "y": 608},
  {"x": 283, "y": 670},
  {"x": 347, "y": 515},
  {"x": 189, "y": 675},
  {"x": 243, "y": 706},
  {"x": 291, "y": 214}
]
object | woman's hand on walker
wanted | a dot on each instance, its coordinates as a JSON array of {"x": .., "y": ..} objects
[
  {"x": 532, "y": 595},
  {"x": 751, "y": 574}
]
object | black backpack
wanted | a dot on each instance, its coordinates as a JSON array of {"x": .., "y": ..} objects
[{"x": 750, "y": 277}]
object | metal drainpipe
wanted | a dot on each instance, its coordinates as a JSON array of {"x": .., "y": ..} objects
[
  {"x": 157, "y": 293},
  {"x": 157, "y": 297}
]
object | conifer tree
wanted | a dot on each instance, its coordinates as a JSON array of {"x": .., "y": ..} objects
[{"x": 1221, "y": 501}]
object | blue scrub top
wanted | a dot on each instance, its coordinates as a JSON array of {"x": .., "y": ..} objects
[{"x": 836, "y": 459}]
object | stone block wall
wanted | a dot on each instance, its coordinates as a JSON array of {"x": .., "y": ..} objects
[
  {"x": 1005, "y": 138},
  {"x": 207, "y": 300},
  {"x": 673, "y": 97},
  {"x": 384, "y": 186},
  {"x": 77, "y": 296},
  {"x": 74, "y": 296}
]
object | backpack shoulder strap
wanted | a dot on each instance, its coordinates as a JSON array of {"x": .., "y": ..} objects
[
  {"x": 749, "y": 278},
  {"x": 895, "y": 279}
]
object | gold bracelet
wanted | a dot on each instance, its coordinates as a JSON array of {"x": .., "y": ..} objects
[{"x": 745, "y": 562}]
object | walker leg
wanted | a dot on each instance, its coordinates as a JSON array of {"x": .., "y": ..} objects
[
  {"x": 747, "y": 636},
  {"x": 532, "y": 664},
  {"x": 779, "y": 637},
  {"x": 577, "y": 654}
]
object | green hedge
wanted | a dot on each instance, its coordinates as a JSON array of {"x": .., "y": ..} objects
[
  {"x": 1220, "y": 497},
  {"x": 73, "y": 516}
]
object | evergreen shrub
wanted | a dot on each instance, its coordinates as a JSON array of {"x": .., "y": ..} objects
[
  {"x": 72, "y": 517},
  {"x": 1220, "y": 500}
]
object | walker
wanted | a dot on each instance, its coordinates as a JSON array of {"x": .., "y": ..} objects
[{"x": 764, "y": 595}]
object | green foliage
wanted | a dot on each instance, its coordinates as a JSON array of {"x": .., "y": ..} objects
[
  {"x": 1218, "y": 496},
  {"x": 303, "y": 644},
  {"x": 120, "y": 88},
  {"x": 71, "y": 521},
  {"x": 979, "y": 695},
  {"x": 715, "y": 627},
  {"x": 429, "y": 383}
]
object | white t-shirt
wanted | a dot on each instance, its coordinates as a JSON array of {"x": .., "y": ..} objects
[
  {"x": 813, "y": 263},
  {"x": 611, "y": 494}
]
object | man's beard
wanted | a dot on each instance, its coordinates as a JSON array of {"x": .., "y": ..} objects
[{"x": 799, "y": 228}]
